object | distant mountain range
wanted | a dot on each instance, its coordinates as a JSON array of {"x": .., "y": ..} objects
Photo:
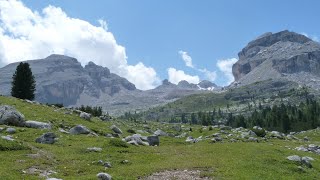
[
  {"x": 282, "y": 56},
  {"x": 62, "y": 79}
]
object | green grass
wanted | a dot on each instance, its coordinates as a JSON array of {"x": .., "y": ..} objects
[{"x": 69, "y": 158}]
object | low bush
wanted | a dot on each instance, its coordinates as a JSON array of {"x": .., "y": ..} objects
[{"x": 118, "y": 143}]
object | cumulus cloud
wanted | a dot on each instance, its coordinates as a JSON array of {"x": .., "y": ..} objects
[
  {"x": 175, "y": 76},
  {"x": 186, "y": 58},
  {"x": 225, "y": 66},
  {"x": 27, "y": 34},
  {"x": 188, "y": 62}
]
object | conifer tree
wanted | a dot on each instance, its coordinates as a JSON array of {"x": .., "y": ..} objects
[{"x": 23, "y": 84}]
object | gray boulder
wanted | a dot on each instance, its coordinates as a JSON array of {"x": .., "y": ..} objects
[
  {"x": 47, "y": 138},
  {"x": 85, "y": 116},
  {"x": 295, "y": 158},
  {"x": 8, "y": 138},
  {"x": 153, "y": 140},
  {"x": 10, "y": 116},
  {"x": 159, "y": 132},
  {"x": 115, "y": 129},
  {"x": 137, "y": 139},
  {"x": 38, "y": 125},
  {"x": 79, "y": 129},
  {"x": 94, "y": 149},
  {"x": 11, "y": 130},
  {"x": 104, "y": 176}
]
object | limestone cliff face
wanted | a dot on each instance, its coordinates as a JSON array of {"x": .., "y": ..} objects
[
  {"x": 62, "y": 79},
  {"x": 277, "y": 55}
]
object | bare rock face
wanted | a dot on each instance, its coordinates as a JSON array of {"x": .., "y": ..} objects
[{"x": 277, "y": 55}]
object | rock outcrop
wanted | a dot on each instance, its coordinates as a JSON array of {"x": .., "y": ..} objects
[{"x": 285, "y": 54}]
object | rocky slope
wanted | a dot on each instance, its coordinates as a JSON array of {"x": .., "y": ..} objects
[
  {"x": 62, "y": 79},
  {"x": 282, "y": 55}
]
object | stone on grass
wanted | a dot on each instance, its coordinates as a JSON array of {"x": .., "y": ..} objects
[
  {"x": 11, "y": 130},
  {"x": 115, "y": 129},
  {"x": 10, "y": 116},
  {"x": 38, "y": 125},
  {"x": 85, "y": 115},
  {"x": 47, "y": 138},
  {"x": 79, "y": 129},
  {"x": 94, "y": 149},
  {"x": 104, "y": 176},
  {"x": 295, "y": 158},
  {"x": 153, "y": 140},
  {"x": 8, "y": 138},
  {"x": 159, "y": 132}
]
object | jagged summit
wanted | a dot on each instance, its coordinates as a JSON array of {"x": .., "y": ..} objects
[{"x": 278, "y": 55}]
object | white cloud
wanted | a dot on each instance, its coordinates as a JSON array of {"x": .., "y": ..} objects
[
  {"x": 211, "y": 76},
  {"x": 27, "y": 34},
  {"x": 225, "y": 66},
  {"x": 186, "y": 58},
  {"x": 175, "y": 76}
]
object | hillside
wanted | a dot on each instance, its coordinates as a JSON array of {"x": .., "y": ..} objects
[
  {"x": 69, "y": 158},
  {"x": 234, "y": 100}
]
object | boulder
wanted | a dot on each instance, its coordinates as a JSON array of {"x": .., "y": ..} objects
[
  {"x": 94, "y": 149},
  {"x": 276, "y": 134},
  {"x": 159, "y": 132},
  {"x": 137, "y": 139},
  {"x": 153, "y": 140},
  {"x": 38, "y": 125},
  {"x": 306, "y": 161},
  {"x": 11, "y": 130},
  {"x": 85, "y": 115},
  {"x": 104, "y": 176},
  {"x": 252, "y": 139},
  {"x": 8, "y": 138},
  {"x": 79, "y": 129},
  {"x": 295, "y": 158},
  {"x": 47, "y": 138},
  {"x": 115, "y": 129},
  {"x": 10, "y": 116}
]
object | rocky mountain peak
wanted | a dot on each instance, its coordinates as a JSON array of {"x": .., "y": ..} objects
[
  {"x": 205, "y": 84},
  {"x": 274, "y": 55}
]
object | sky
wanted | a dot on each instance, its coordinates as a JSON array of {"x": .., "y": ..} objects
[{"x": 147, "y": 41}]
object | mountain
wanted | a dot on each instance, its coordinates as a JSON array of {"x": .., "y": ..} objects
[
  {"x": 62, "y": 79},
  {"x": 282, "y": 55}
]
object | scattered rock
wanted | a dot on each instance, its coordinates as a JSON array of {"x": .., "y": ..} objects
[
  {"x": 115, "y": 129},
  {"x": 2, "y": 129},
  {"x": 47, "y": 138},
  {"x": 190, "y": 139},
  {"x": 124, "y": 162},
  {"x": 153, "y": 140},
  {"x": 85, "y": 116},
  {"x": 10, "y": 116},
  {"x": 104, "y": 176},
  {"x": 11, "y": 130},
  {"x": 137, "y": 139},
  {"x": 53, "y": 179},
  {"x": 8, "y": 138},
  {"x": 64, "y": 131},
  {"x": 295, "y": 158},
  {"x": 79, "y": 129},
  {"x": 38, "y": 125},
  {"x": 94, "y": 149},
  {"x": 159, "y": 132},
  {"x": 253, "y": 139},
  {"x": 107, "y": 165},
  {"x": 276, "y": 134}
]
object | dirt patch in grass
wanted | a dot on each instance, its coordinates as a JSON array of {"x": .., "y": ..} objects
[{"x": 177, "y": 175}]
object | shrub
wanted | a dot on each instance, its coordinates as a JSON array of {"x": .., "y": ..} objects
[
  {"x": 118, "y": 143},
  {"x": 210, "y": 128}
]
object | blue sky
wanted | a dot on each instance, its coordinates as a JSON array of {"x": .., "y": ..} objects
[{"x": 153, "y": 32}]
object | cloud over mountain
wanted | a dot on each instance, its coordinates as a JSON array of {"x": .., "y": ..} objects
[{"x": 27, "y": 34}]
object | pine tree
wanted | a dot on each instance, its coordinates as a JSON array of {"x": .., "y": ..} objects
[{"x": 23, "y": 84}]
